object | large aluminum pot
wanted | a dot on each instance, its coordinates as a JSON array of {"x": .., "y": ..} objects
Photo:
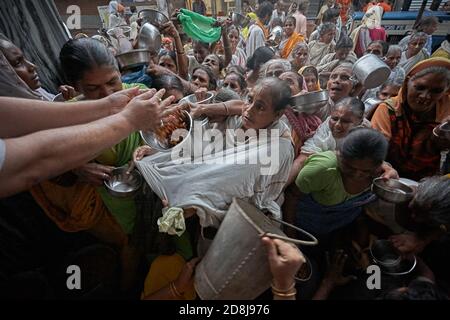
[
  {"x": 153, "y": 17},
  {"x": 310, "y": 102},
  {"x": 133, "y": 58},
  {"x": 392, "y": 190},
  {"x": 149, "y": 38},
  {"x": 371, "y": 71}
]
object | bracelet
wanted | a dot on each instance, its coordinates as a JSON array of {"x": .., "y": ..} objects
[
  {"x": 226, "y": 108},
  {"x": 275, "y": 289},
  {"x": 174, "y": 290},
  {"x": 181, "y": 52},
  {"x": 285, "y": 295}
]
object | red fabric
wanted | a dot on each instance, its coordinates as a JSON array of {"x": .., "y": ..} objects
[{"x": 377, "y": 34}]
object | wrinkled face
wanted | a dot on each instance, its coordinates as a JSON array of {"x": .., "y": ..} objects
[
  {"x": 423, "y": 93},
  {"x": 430, "y": 29},
  {"x": 274, "y": 70},
  {"x": 200, "y": 53},
  {"x": 200, "y": 78},
  {"x": 212, "y": 62},
  {"x": 342, "y": 53},
  {"x": 258, "y": 112},
  {"x": 359, "y": 170},
  {"x": 231, "y": 81},
  {"x": 342, "y": 120},
  {"x": 328, "y": 36},
  {"x": 292, "y": 79},
  {"x": 301, "y": 56},
  {"x": 415, "y": 45},
  {"x": 167, "y": 62},
  {"x": 340, "y": 84},
  {"x": 376, "y": 49},
  {"x": 311, "y": 81},
  {"x": 393, "y": 58},
  {"x": 233, "y": 36},
  {"x": 388, "y": 92},
  {"x": 24, "y": 68},
  {"x": 289, "y": 27},
  {"x": 99, "y": 82}
]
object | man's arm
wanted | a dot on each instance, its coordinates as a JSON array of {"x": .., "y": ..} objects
[
  {"x": 45, "y": 154},
  {"x": 19, "y": 117}
]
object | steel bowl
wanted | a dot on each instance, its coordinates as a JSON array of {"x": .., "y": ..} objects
[
  {"x": 153, "y": 17},
  {"x": 240, "y": 20},
  {"x": 392, "y": 190},
  {"x": 310, "y": 102},
  {"x": 152, "y": 140},
  {"x": 133, "y": 58},
  {"x": 384, "y": 254},
  {"x": 371, "y": 71},
  {"x": 193, "y": 99},
  {"x": 149, "y": 38},
  {"x": 123, "y": 185}
]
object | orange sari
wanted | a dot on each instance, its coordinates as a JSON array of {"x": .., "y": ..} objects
[{"x": 290, "y": 44}]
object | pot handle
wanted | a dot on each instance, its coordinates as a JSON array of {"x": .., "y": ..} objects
[{"x": 314, "y": 241}]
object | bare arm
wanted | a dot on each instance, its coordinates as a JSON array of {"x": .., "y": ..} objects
[
  {"x": 226, "y": 43},
  {"x": 182, "y": 60},
  {"x": 45, "y": 154},
  {"x": 217, "y": 110},
  {"x": 19, "y": 117}
]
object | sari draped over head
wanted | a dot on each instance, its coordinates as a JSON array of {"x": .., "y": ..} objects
[
  {"x": 411, "y": 149},
  {"x": 330, "y": 62},
  {"x": 408, "y": 63},
  {"x": 303, "y": 69},
  {"x": 318, "y": 50},
  {"x": 287, "y": 45}
]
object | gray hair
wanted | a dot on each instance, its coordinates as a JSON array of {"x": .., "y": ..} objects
[
  {"x": 433, "y": 197},
  {"x": 394, "y": 48},
  {"x": 225, "y": 94},
  {"x": 416, "y": 35},
  {"x": 285, "y": 64},
  {"x": 434, "y": 70},
  {"x": 324, "y": 28},
  {"x": 354, "y": 104},
  {"x": 344, "y": 42}
]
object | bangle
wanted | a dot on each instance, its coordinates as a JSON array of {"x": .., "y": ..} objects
[
  {"x": 285, "y": 295},
  {"x": 226, "y": 108},
  {"x": 182, "y": 52},
  {"x": 275, "y": 289},
  {"x": 174, "y": 290}
]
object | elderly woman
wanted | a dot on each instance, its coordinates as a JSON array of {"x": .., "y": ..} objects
[
  {"x": 318, "y": 49},
  {"x": 408, "y": 120},
  {"x": 415, "y": 51},
  {"x": 291, "y": 38},
  {"x": 346, "y": 114},
  {"x": 239, "y": 56},
  {"x": 300, "y": 56},
  {"x": 274, "y": 68},
  {"x": 332, "y": 187},
  {"x": 392, "y": 59},
  {"x": 343, "y": 54},
  {"x": 236, "y": 82}
]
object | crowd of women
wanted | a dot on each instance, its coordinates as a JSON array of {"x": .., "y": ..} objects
[{"x": 328, "y": 159}]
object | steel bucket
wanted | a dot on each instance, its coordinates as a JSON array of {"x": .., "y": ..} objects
[
  {"x": 371, "y": 71},
  {"x": 236, "y": 267}
]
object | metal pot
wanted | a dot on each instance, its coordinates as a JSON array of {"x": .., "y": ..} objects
[
  {"x": 149, "y": 38},
  {"x": 390, "y": 260},
  {"x": 371, "y": 71},
  {"x": 392, "y": 190},
  {"x": 240, "y": 20},
  {"x": 153, "y": 17},
  {"x": 152, "y": 140},
  {"x": 310, "y": 102},
  {"x": 123, "y": 185},
  {"x": 133, "y": 58},
  {"x": 442, "y": 131},
  {"x": 193, "y": 99},
  {"x": 126, "y": 31}
]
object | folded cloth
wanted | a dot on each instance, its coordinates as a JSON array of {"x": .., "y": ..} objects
[
  {"x": 172, "y": 221},
  {"x": 199, "y": 27}
]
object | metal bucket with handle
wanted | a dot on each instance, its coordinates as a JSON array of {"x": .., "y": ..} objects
[{"x": 236, "y": 266}]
